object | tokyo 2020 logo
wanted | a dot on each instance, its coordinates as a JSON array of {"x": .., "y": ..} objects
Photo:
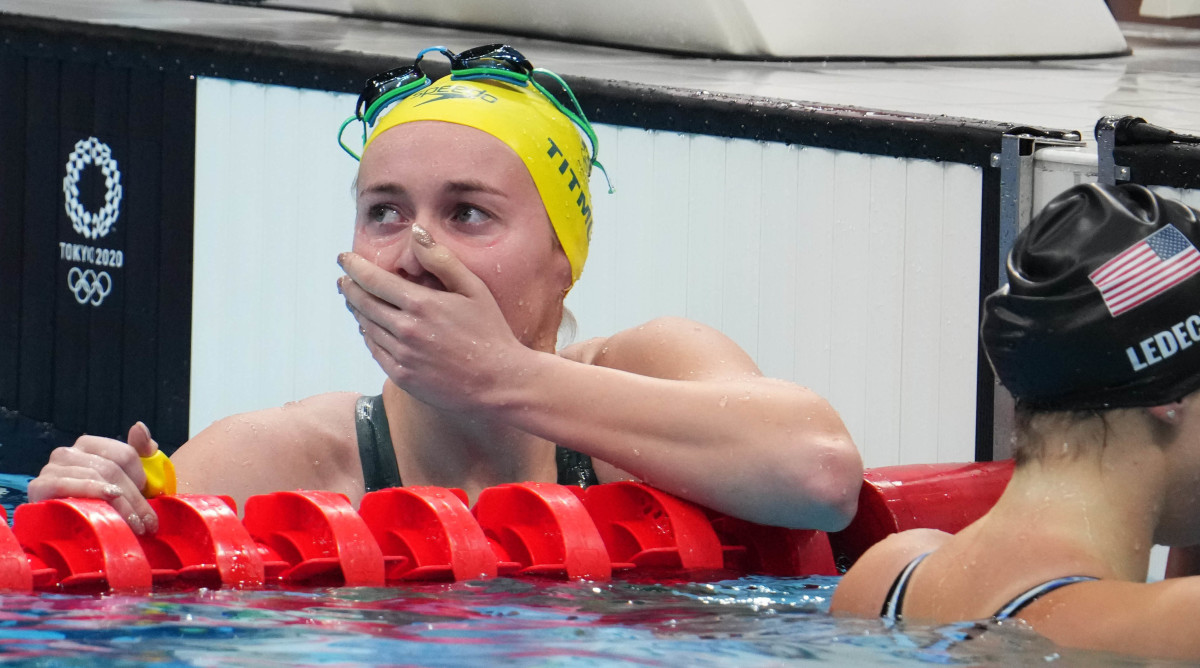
[
  {"x": 92, "y": 151},
  {"x": 87, "y": 285}
]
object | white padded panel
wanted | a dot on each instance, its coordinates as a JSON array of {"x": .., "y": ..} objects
[{"x": 793, "y": 28}]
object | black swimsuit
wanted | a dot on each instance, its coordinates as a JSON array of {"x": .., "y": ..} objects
[
  {"x": 379, "y": 458},
  {"x": 894, "y": 601}
]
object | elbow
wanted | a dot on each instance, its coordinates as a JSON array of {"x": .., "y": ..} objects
[
  {"x": 833, "y": 488},
  {"x": 840, "y": 497},
  {"x": 840, "y": 505}
]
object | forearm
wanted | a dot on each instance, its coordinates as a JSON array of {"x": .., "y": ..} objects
[{"x": 759, "y": 449}]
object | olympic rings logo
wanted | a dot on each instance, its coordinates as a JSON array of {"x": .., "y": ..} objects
[
  {"x": 92, "y": 151},
  {"x": 88, "y": 285}
]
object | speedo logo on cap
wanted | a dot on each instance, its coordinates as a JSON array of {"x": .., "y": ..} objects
[
  {"x": 1145, "y": 270},
  {"x": 453, "y": 92}
]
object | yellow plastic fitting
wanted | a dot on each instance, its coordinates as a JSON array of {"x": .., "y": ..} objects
[{"x": 160, "y": 475}]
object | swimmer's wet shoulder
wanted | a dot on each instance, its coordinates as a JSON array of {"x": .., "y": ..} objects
[
  {"x": 864, "y": 590},
  {"x": 669, "y": 348},
  {"x": 307, "y": 444}
]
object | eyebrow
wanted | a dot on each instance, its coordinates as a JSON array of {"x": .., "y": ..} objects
[
  {"x": 453, "y": 187},
  {"x": 472, "y": 185},
  {"x": 394, "y": 189}
]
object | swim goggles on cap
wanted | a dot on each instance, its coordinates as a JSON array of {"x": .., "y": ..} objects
[{"x": 497, "y": 62}]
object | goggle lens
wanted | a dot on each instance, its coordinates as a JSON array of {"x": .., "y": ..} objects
[
  {"x": 402, "y": 80},
  {"x": 492, "y": 61}
]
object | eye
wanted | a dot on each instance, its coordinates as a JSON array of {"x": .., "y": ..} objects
[
  {"x": 383, "y": 214},
  {"x": 465, "y": 214}
]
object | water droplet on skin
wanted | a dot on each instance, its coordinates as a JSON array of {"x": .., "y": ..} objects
[
  {"x": 723, "y": 402},
  {"x": 432, "y": 336},
  {"x": 637, "y": 453},
  {"x": 497, "y": 267}
]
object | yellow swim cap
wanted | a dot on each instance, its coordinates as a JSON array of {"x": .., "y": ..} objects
[{"x": 542, "y": 136}]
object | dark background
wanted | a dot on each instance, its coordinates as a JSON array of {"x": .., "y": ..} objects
[{"x": 85, "y": 368}]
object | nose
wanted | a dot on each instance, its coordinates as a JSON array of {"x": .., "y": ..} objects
[{"x": 405, "y": 264}]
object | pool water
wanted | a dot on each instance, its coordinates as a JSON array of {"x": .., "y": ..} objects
[{"x": 749, "y": 621}]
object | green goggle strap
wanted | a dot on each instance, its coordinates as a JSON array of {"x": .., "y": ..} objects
[{"x": 578, "y": 119}]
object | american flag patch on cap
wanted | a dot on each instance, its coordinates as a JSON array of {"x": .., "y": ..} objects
[{"x": 1146, "y": 269}]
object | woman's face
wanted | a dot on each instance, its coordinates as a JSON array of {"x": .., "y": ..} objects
[{"x": 473, "y": 194}]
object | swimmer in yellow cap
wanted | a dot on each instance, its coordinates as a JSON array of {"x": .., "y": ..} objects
[
  {"x": 522, "y": 114},
  {"x": 473, "y": 220}
]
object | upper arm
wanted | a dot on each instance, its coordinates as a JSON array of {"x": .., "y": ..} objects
[
  {"x": 799, "y": 442},
  {"x": 303, "y": 445},
  {"x": 673, "y": 349},
  {"x": 680, "y": 349},
  {"x": 1156, "y": 619},
  {"x": 668, "y": 348},
  {"x": 864, "y": 587}
]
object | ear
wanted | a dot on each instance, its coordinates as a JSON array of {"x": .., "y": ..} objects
[{"x": 1168, "y": 413}]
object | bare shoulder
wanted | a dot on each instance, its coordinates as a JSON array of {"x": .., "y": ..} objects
[
  {"x": 864, "y": 587},
  {"x": 1155, "y": 619},
  {"x": 669, "y": 347},
  {"x": 303, "y": 444}
]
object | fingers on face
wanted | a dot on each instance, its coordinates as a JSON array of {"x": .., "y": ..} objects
[
  {"x": 386, "y": 360},
  {"x": 440, "y": 261},
  {"x": 367, "y": 278},
  {"x": 381, "y": 322}
]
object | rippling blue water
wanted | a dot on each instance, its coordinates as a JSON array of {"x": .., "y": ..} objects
[{"x": 751, "y": 621}]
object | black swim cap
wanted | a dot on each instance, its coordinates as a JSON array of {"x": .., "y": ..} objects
[{"x": 1102, "y": 306}]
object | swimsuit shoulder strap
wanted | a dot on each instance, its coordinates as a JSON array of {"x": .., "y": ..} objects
[
  {"x": 1019, "y": 603},
  {"x": 574, "y": 468},
  {"x": 894, "y": 601},
  {"x": 375, "y": 444},
  {"x": 379, "y": 457}
]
